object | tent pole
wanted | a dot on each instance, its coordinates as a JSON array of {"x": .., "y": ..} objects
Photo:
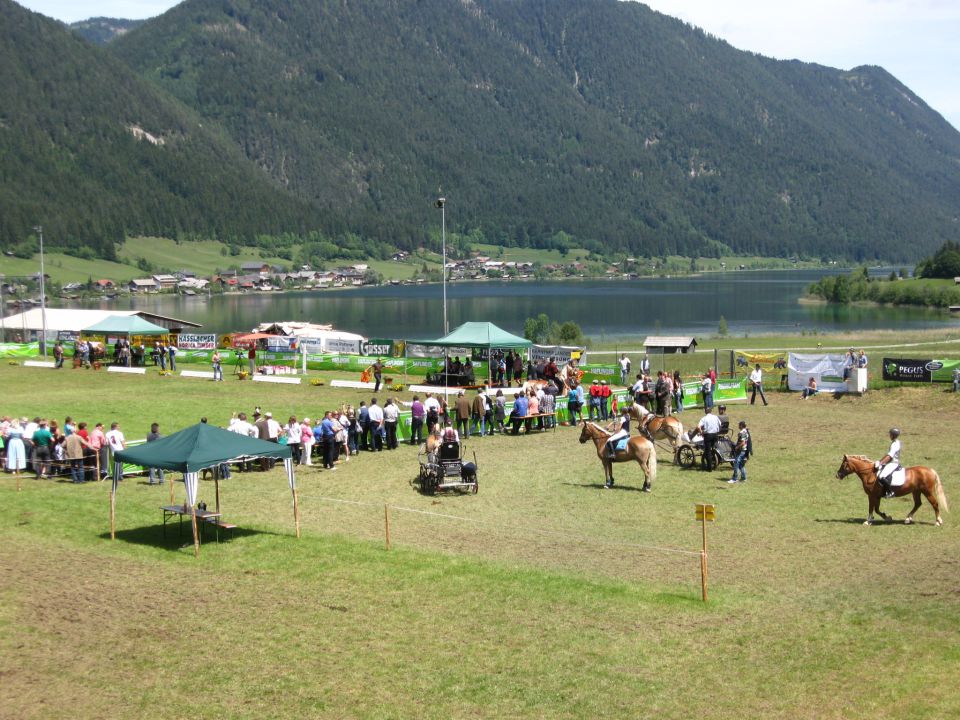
[
  {"x": 296, "y": 512},
  {"x": 216, "y": 484},
  {"x": 196, "y": 538},
  {"x": 171, "y": 489},
  {"x": 113, "y": 515}
]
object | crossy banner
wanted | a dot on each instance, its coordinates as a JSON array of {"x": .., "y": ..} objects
[{"x": 827, "y": 370}]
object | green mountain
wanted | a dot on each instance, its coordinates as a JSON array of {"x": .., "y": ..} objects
[
  {"x": 597, "y": 118},
  {"x": 546, "y": 122},
  {"x": 101, "y": 30},
  {"x": 93, "y": 153}
]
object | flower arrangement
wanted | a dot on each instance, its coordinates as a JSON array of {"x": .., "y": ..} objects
[
  {"x": 243, "y": 375},
  {"x": 164, "y": 373},
  {"x": 317, "y": 382},
  {"x": 397, "y": 387}
]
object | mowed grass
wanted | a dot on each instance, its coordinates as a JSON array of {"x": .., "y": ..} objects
[{"x": 541, "y": 596}]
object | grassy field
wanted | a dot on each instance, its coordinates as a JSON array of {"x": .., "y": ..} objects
[{"x": 541, "y": 596}]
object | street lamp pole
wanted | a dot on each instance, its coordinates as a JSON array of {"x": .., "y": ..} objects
[
  {"x": 441, "y": 203},
  {"x": 43, "y": 296}
]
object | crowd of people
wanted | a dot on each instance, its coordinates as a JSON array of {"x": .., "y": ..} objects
[{"x": 48, "y": 449}]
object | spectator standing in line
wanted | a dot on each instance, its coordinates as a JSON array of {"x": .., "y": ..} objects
[
  {"x": 499, "y": 411},
  {"x": 593, "y": 411},
  {"x": 677, "y": 391},
  {"x": 154, "y": 473},
  {"x": 306, "y": 441},
  {"x": 645, "y": 365},
  {"x": 417, "y": 416},
  {"x": 479, "y": 414},
  {"x": 462, "y": 409},
  {"x": 98, "y": 443},
  {"x": 363, "y": 422},
  {"x": 328, "y": 436},
  {"x": 172, "y": 354},
  {"x": 706, "y": 387},
  {"x": 605, "y": 393},
  {"x": 391, "y": 417},
  {"x": 375, "y": 423},
  {"x": 756, "y": 380},
  {"x": 668, "y": 381},
  {"x": 660, "y": 393},
  {"x": 294, "y": 438}
]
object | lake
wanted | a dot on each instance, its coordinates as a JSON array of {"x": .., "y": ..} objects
[{"x": 752, "y": 302}]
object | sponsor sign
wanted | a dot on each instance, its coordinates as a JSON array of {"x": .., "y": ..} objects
[
  {"x": 377, "y": 346},
  {"x": 825, "y": 368},
  {"x": 560, "y": 353},
  {"x": 909, "y": 370},
  {"x": 196, "y": 342}
]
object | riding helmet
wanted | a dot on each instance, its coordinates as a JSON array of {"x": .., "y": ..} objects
[{"x": 895, "y": 432}]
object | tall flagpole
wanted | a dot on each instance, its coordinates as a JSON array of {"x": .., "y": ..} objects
[
  {"x": 441, "y": 203},
  {"x": 43, "y": 296}
]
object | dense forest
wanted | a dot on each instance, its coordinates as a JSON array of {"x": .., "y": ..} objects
[{"x": 571, "y": 122}]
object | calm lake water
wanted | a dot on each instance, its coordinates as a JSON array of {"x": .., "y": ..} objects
[{"x": 754, "y": 302}]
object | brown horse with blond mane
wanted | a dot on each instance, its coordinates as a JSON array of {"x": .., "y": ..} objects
[
  {"x": 919, "y": 480},
  {"x": 666, "y": 428},
  {"x": 638, "y": 448}
]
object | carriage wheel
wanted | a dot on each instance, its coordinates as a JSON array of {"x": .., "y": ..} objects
[
  {"x": 685, "y": 457},
  {"x": 476, "y": 485}
]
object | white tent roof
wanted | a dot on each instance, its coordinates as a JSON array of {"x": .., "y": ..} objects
[{"x": 76, "y": 319}]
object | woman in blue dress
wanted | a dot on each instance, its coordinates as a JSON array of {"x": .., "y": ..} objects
[{"x": 16, "y": 453}]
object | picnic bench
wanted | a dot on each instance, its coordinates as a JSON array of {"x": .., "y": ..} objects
[
  {"x": 528, "y": 428},
  {"x": 204, "y": 517}
]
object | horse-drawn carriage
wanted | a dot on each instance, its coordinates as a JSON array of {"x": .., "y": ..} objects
[
  {"x": 690, "y": 451},
  {"x": 442, "y": 468}
]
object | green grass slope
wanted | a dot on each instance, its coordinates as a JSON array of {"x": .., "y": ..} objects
[{"x": 543, "y": 595}]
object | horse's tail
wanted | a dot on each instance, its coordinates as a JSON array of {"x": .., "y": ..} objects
[
  {"x": 941, "y": 496},
  {"x": 652, "y": 464}
]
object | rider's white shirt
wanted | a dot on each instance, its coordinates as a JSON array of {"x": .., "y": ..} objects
[{"x": 894, "y": 452}]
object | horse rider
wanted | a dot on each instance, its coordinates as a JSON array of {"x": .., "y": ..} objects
[
  {"x": 889, "y": 463},
  {"x": 724, "y": 419},
  {"x": 646, "y": 417},
  {"x": 623, "y": 431}
]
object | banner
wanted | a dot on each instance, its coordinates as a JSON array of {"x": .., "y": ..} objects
[
  {"x": 560, "y": 353},
  {"x": 196, "y": 342},
  {"x": 379, "y": 347},
  {"x": 909, "y": 370},
  {"x": 826, "y": 369},
  {"x": 767, "y": 361}
]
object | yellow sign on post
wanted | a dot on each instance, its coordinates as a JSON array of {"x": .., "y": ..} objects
[
  {"x": 707, "y": 513},
  {"x": 704, "y": 512}
]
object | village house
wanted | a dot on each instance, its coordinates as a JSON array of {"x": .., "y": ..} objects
[{"x": 143, "y": 285}]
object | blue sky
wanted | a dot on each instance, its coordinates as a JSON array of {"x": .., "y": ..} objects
[{"x": 918, "y": 41}]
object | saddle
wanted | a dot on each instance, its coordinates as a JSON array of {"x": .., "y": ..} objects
[
  {"x": 898, "y": 477},
  {"x": 620, "y": 444}
]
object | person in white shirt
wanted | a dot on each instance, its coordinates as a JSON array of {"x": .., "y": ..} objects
[
  {"x": 391, "y": 416},
  {"x": 432, "y": 407},
  {"x": 645, "y": 365},
  {"x": 889, "y": 463},
  {"x": 115, "y": 438},
  {"x": 624, "y": 369},
  {"x": 294, "y": 438},
  {"x": 756, "y": 380},
  {"x": 273, "y": 428},
  {"x": 376, "y": 424},
  {"x": 710, "y": 428}
]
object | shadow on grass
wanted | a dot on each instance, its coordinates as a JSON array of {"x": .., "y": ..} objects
[
  {"x": 601, "y": 486},
  {"x": 879, "y": 522},
  {"x": 153, "y": 536}
]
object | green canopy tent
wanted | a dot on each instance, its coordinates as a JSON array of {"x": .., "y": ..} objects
[
  {"x": 479, "y": 335},
  {"x": 198, "y": 448},
  {"x": 125, "y": 325}
]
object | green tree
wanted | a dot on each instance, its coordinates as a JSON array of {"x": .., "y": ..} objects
[
  {"x": 722, "y": 329},
  {"x": 537, "y": 329}
]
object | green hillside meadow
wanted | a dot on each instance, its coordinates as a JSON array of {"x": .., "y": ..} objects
[{"x": 544, "y": 595}]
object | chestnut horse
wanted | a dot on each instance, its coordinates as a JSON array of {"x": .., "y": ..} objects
[
  {"x": 666, "y": 428},
  {"x": 638, "y": 448},
  {"x": 919, "y": 480}
]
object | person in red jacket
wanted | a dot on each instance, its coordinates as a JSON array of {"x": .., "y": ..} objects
[{"x": 605, "y": 393}]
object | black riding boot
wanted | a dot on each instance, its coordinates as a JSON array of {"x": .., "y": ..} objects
[{"x": 886, "y": 488}]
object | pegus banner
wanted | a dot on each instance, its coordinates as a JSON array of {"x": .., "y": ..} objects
[{"x": 906, "y": 370}]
